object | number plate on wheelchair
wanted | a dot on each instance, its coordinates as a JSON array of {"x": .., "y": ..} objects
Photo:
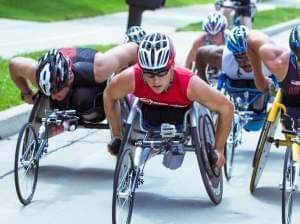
[{"x": 167, "y": 130}]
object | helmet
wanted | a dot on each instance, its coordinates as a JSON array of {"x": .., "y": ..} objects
[
  {"x": 295, "y": 40},
  {"x": 236, "y": 41},
  {"x": 135, "y": 34},
  {"x": 215, "y": 23},
  {"x": 156, "y": 53},
  {"x": 53, "y": 72}
]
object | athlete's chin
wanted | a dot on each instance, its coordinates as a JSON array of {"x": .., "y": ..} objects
[{"x": 157, "y": 89}]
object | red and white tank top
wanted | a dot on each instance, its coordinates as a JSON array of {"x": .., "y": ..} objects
[{"x": 175, "y": 96}]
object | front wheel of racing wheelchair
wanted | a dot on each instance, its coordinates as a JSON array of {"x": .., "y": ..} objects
[{"x": 25, "y": 165}]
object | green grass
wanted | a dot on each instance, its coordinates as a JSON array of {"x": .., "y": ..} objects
[
  {"x": 9, "y": 93},
  {"x": 262, "y": 20},
  {"x": 53, "y": 10}
]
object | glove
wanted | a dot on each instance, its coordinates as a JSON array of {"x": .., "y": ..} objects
[{"x": 114, "y": 146}]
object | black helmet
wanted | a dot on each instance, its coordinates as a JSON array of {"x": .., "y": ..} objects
[
  {"x": 53, "y": 72},
  {"x": 295, "y": 41}
]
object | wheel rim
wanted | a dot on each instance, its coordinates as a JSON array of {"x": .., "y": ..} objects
[
  {"x": 26, "y": 166},
  {"x": 124, "y": 193},
  {"x": 288, "y": 188}
]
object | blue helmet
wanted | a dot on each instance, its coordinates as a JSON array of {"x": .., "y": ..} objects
[
  {"x": 236, "y": 41},
  {"x": 295, "y": 40}
]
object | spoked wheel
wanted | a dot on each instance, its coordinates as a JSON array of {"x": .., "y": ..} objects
[
  {"x": 26, "y": 167},
  {"x": 204, "y": 140},
  {"x": 288, "y": 188},
  {"x": 124, "y": 184},
  {"x": 262, "y": 152},
  {"x": 229, "y": 152}
]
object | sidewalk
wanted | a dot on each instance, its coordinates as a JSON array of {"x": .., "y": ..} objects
[{"x": 19, "y": 37}]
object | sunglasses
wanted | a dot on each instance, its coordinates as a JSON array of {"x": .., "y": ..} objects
[
  {"x": 241, "y": 57},
  {"x": 151, "y": 74}
]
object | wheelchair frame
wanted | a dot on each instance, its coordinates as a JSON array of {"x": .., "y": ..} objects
[
  {"x": 291, "y": 166},
  {"x": 139, "y": 145},
  {"x": 241, "y": 117},
  {"x": 32, "y": 142}
]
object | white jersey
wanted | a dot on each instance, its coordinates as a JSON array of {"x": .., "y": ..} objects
[{"x": 231, "y": 69}]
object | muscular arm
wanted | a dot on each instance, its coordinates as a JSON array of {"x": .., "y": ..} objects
[
  {"x": 208, "y": 55},
  {"x": 114, "y": 60},
  {"x": 118, "y": 88},
  {"x": 201, "y": 92},
  {"x": 192, "y": 53},
  {"x": 276, "y": 59},
  {"x": 21, "y": 70},
  {"x": 255, "y": 40}
]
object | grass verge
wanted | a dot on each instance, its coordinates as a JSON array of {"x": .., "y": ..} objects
[
  {"x": 262, "y": 19},
  {"x": 54, "y": 10}
]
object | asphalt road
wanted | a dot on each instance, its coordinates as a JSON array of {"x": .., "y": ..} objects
[{"x": 75, "y": 183}]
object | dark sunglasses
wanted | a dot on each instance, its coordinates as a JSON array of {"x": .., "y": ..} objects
[
  {"x": 151, "y": 74},
  {"x": 241, "y": 57}
]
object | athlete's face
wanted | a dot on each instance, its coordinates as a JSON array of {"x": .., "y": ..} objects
[
  {"x": 61, "y": 95},
  {"x": 217, "y": 39},
  {"x": 158, "y": 82},
  {"x": 243, "y": 61}
]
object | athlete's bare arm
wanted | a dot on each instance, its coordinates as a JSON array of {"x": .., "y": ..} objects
[
  {"x": 255, "y": 40},
  {"x": 119, "y": 87},
  {"x": 201, "y": 92},
  {"x": 21, "y": 70},
  {"x": 114, "y": 60},
  {"x": 208, "y": 55},
  {"x": 199, "y": 42},
  {"x": 276, "y": 59}
]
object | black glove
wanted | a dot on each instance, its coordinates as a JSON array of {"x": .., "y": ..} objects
[{"x": 114, "y": 146}]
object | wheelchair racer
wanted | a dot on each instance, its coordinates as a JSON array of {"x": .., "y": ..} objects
[
  {"x": 239, "y": 60},
  {"x": 213, "y": 27},
  {"x": 285, "y": 65},
  {"x": 75, "y": 78},
  {"x": 244, "y": 12},
  {"x": 163, "y": 86}
]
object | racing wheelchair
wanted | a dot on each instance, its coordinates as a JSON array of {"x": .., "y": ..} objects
[
  {"x": 141, "y": 142},
  {"x": 46, "y": 120},
  {"x": 291, "y": 165},
  {"x": 249, "y": 114}
]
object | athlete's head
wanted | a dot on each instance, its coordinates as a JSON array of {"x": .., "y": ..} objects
[
  {"x": 215, "y": 23},
  {"x": 295, "y": 45},
  {"x": 134, "y": 34},
  {"x": 236, "y": 42},
  {"x": 53, "y": 72},
  {"x": 156, "y": 55}
]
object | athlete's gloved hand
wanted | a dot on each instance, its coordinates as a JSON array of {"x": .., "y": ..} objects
[{"x": 114, "y": 146}]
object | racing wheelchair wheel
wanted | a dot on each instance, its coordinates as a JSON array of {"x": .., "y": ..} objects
[
  {"x": 262, "y": 151},
  {"x": 229, "y": 152},
  {"x": 288, "y": 188},
  {"x": 204, "y": 140},
  {"x": 26, "y": 167},
  {"x": 124, "y": 184}
]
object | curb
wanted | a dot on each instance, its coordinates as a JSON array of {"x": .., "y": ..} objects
[{"x": 12, "y": 119}]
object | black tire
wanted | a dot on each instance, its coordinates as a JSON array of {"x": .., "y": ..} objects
[
  {"x": 262, "y": 152},
  {"x": 124, "y": 178},
  {"x": 204, "y": 137},
  {"x": 288, "y": 188},
  {"x": 26, "y": 167}
]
